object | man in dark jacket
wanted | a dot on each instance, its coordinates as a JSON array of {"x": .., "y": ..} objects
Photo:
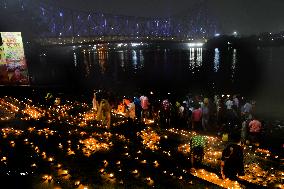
[{"x": 232, "y": 160}]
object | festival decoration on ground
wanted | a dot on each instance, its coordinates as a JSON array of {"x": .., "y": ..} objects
[
  {"x": 92, "y": 146},
  {"x": 150, "y": 139},
  {"x": 73, "y": 126},
  {"x": 254, "y": 173}
]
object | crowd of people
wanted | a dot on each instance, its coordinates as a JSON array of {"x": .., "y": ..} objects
[
  {"x": 226, "y": 115},
  {"x": 229, "y": 116}
]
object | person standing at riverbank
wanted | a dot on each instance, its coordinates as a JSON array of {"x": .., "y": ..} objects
[
  {"x": 255, "y": 127},
  {"x": 165, "y": 114},
  {"x": 196, "y": 118},
  {"x": 145, "y": 106},
  {"x": 138, "y": 108},
  {"x": 205, "y": 114},
  {"x": 131, "y": 109},
  {"x": 247, "y": 110},
  {"x": 104, "y": 114},
  {"x": 95, "y": 103},
  {"x": 244, "y": 131}
]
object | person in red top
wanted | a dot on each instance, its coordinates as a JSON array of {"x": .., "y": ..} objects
[
  {"x": 254, "y": 130},
  {"x": 196, "y": 118}
]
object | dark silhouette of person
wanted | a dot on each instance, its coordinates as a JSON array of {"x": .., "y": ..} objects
[{"x": 232, "y": 160}]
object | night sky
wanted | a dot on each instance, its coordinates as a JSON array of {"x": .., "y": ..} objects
[{"x": 244, "y": 16}]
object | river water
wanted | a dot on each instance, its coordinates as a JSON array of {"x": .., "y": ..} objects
[{"x": 177, "y": 69}]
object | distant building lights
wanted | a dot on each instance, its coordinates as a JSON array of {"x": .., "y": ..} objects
[
  {"x": 135, "y": 44},
  {"x": 195, "y": 44}
]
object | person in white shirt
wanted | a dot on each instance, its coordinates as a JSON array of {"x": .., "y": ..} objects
[{"x": 229, "y": 104}]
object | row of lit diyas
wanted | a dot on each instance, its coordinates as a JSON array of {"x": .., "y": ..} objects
[
  {"x": 55, "y": 112},
  {"x": 8, "y": 110},
  {"x": 210, "y": 157},
  {"x": 30, "y": 110},
  {"x": 107, "y": 176},
  {"x": 92, "y": 145},
  {"x": 213, "y": 157},
  {"x": 185, "y": 133},
  {"x": 4, "y": 102},
  {"x": 121, "y": 118},
  {"x": 150, "y": 138},
  {"x": 48, "y": 179},
  {"x": 60, "y": 112},
  {"x": 253, "y": 172},
  {"x": 214, "y": 178},
  {"x": 148, "y": 121},
  {"x": 47, "y": 132},
  {"x": 265, "y": 153},
  {"x": 12, "y": 131},
  {"x": 86, "y": 118},
  {"x": 110, "y": 177}
]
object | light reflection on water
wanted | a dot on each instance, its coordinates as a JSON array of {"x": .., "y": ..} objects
[
  {"x": 234, "y": 62},
  {"x": 121, "y": 58},
  {"x": 86, "y": 63},
  {"x": 239, "y": 69},
  {"x": 199, "y": 57},
  {"x": 161, "y": 67},
  {"x": 75, "y": 59},
  {"x": 195, "y": 59},
  {"x": 191, "y": 59},
  {"x": 134, "y": 60},
  {"x": 103, "y": 57},
  {"x": 141, "y": 59},
  {"x": 216, "y": 60}
]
